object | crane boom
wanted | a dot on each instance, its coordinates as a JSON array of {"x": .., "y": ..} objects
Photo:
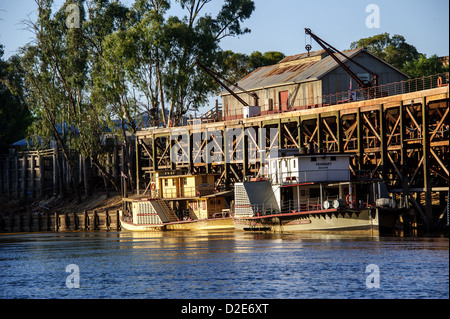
[
  {"x": 331, "y": 51},
  {"x": 216, "y": 76}
]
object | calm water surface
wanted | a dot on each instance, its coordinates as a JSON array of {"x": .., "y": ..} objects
[{"x": 218, "y": 265}]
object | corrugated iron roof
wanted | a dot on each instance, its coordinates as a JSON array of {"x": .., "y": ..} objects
[
  {"x": 284, "y": 73},
  {"x": 302, "y": 56}
]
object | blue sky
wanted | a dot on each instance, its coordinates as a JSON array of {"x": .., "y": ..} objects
[{"x": 279, "y": 25}]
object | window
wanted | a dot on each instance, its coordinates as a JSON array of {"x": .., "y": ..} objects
[
  {"x": 270, "y": 104},
  {"x": 166, "y": 182},
  {"x": 333, "y": 158},
  {"x": 313, "y": 159}
]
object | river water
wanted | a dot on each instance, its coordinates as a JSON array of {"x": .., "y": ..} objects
[{"x": 221, "y": 265}]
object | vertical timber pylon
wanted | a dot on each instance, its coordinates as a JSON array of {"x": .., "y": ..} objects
[{"x": 402, "y": 140}]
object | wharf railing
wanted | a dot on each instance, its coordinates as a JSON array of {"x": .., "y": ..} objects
[{"x": 353, "y": 95}]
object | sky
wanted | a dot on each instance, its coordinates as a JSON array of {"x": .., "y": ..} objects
[{"x": 278, "y": 25}]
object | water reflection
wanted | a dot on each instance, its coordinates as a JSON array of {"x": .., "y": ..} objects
[{"x": 220, "y": 264}]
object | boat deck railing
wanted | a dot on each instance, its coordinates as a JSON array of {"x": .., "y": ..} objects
[{"x": 292, "y": 206}]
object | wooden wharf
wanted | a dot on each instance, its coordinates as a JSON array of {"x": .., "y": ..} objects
[{"x": 402, "y": 140}]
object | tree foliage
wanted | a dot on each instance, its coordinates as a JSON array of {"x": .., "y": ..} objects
[
  {"x": 396, "y": 51},
  {"x": 424, "y": 66},
  {"x": 118, "y": 62},
  {"x": 235, "y": 66},
  {"x": 14, "y": 114}
]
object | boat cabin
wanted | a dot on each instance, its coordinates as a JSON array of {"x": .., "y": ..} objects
[
  {"x": 308, "y": 168},
  {"x": 296, "y": 183},
  {"x": 192, "y": 196}
]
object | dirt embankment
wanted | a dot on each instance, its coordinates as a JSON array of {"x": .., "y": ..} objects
[{"x": 97, "y": 201}]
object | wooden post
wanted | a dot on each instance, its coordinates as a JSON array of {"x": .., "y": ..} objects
[
  {"x": 383, "y": 136},
  {"x": 403, "y": 153},
  {"x": 226, "y": 164},
  {"x": 319, "y": 133},
  {"x": 339, "y": 134},
  {"x": 154, "y": 153},
  {"x": 359, "y": 137},
  {"x": 41, "y": 175},
  {"x": 56, "y": 221},
  {"x": 426, "y": 164},
  {"x": 107, "y": 221},
  {"x": 55, "y": 170},
  {"x": 138, "y": 166},
  {"x": 23, "y": 187},
  {"x": 32, "y": 176},
  {"x": 280, "y": 130},
  {"x": 299, "y": 134},
  {"x": 86, "y": 220}
]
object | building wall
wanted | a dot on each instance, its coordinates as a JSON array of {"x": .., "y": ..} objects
[
  {"x": 309, "y": 94},
  {"x": 339, "y": 81},
  {"x": 301, "y": 94}
]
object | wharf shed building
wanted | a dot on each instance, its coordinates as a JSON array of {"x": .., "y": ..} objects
[{"x": 305, "y": 81}]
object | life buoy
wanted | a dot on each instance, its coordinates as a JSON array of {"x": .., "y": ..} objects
[
  {"x": 153, "y": 186},
  {"x": 352, "y": 201}
]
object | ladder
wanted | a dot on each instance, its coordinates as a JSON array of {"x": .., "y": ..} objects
[{"x": 164, "y": 211}]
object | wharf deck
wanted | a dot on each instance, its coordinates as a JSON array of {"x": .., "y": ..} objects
[{"x": 401, "y": 139}]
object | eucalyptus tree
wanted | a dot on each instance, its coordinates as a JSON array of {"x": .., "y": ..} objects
[
  {"x": 196, "y": 37},
  {"x": 96, "y": 62},
  {"x": 157, "y": 53},
  {"x": 58, "y": 69},
  {"x": 55, "y": 76}
]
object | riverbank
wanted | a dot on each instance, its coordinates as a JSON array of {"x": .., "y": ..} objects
[{"x": 95, "y": 212}]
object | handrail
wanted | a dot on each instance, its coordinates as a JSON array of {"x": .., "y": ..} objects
[{"x": 361, "y": 94}]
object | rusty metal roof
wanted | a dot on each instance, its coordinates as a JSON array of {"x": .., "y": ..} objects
[{"x": 288, "y": 71}]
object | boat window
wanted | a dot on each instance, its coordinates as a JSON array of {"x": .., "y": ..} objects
[
  {"x": 313, "y": 159},
  {"x": 333, "y": 158},
  {"x": 166, "y": 182}
]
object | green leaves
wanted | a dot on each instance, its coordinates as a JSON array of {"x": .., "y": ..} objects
[
  {"x": 396, "y": 51},
  {"x": 117, "y": 62},
  {"x": 424, "y": 66}
]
